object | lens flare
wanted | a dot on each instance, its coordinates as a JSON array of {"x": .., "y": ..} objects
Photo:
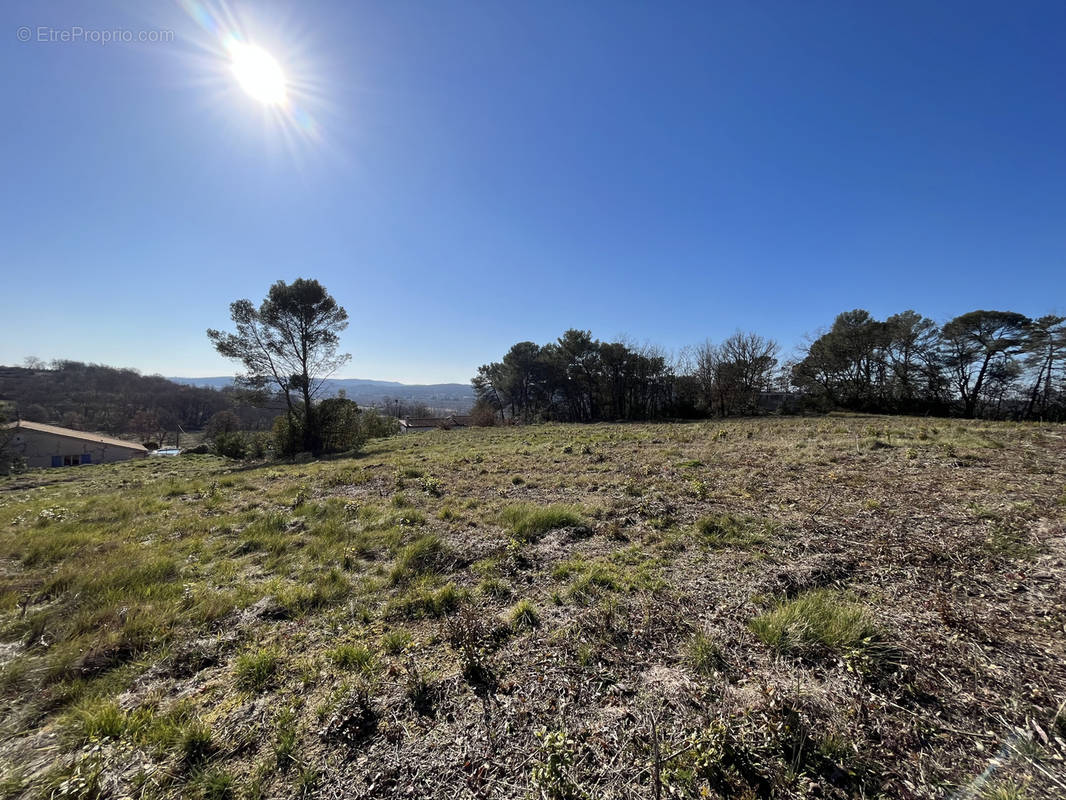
[
  {"x": 257, "y": 72},
  {"x": 233, "y": 50}
]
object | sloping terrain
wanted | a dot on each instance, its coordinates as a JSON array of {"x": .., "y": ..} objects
[{"x": 811, "y": 607}]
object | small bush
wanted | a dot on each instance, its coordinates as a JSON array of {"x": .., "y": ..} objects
[
  {"x": 431, "y": 486},
  {"x": 820, "y": 620},
  {"x": 550, "y": 773},
  {"x": 526, "y": 521},
  {"x": 524, "y": 616},
  {"x": 253, "y": 672},
  {"x": 231, "y": 445}
]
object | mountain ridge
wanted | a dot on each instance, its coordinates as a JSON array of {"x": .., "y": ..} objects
[{"x": 368, "y": 390}]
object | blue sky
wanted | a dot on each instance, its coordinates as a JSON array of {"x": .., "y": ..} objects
[{"x": 471, "y": 174}]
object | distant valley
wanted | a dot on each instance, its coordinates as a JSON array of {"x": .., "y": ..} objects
[{"x": 444, "y": 396}]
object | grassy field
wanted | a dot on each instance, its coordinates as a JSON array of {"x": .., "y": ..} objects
[{"x": 842, "y": 606}]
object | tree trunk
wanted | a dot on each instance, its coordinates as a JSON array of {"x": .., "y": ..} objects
[{"x": 971, "y": 401}]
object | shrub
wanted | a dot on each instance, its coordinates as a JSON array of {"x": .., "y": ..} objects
[
  {"x": 526, "y": 521},
  {"x": 550, "y": 773},
  {"x": 259, "y": 444},
  {"x": 338, "y": 423},
  {"x": 374, "y": 425},
  {"x": 483, "y": 415},
  {"x": 222, "y": 422},
  {"x": 231, "y": 445},
  {"x": 819, "y": 620},
  {"x": 288, "y": 435},
  {"x": 431, "y": 486}
]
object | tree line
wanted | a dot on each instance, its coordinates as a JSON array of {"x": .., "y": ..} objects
[
  {"x": 581, "y": 379},
  {"x": 991, "y": 364}
]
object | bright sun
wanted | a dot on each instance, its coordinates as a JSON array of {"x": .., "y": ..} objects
[{"x": 258, "y": 73}]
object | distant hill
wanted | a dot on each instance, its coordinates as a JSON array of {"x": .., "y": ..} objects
[
  {"x": 95, "y": 397},
  {"x": 455, "y": 397}
]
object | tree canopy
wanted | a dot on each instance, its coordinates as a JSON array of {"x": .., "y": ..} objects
[
  {"x": 982, "y": 363},
  {"x": 289, "y": 342}
]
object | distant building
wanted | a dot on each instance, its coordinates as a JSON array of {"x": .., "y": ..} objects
[
  {"x": 416, "y": 424},
  {"x": 52, "y": 446}
]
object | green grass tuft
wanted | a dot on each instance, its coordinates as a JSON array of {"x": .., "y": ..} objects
[
  {"x": 526, "y": 521},
  {"x": 820, "y": 620},
  {"x": 1004, "y": 790},
  {"x": 426, "y": 554},
  {"x": 704, "y": 655},
  {"x": 253, "y": 672},
  {"x": 425, "y": 600},
  {"x": 213, "y": 784},
  {"x": 524, "y": 615},
  {"x": 195, "y": 743},
  {"x": 352, "y": 657},
  {"x": 396, "y": 641},
  {"x": 92, "y": 720},
  {"x": 727, "y": 530}
]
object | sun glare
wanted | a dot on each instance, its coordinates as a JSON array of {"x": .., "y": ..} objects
[{"x": 258, "y": 73}]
